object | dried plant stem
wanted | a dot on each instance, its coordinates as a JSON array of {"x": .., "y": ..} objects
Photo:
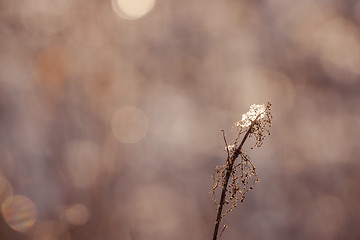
[{"x": 230, "y": 163}]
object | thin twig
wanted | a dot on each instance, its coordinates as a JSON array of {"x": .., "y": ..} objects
[
  {"x": 230, "y": 164},
  {"x": 242, "y": 172},
  {"x": 226, "y": 145},
  {"x": 225, "y": 227}
]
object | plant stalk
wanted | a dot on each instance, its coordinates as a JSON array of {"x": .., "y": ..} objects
[{"x": 230, "y": 163}]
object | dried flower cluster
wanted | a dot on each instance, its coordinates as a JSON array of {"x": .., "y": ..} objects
[
  {"x": 259, "y": 117},
  {"x": 236, "y": 178},
  {"x": 256, "y": 110}
]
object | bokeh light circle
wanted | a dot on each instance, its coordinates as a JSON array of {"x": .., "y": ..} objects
[
  {"x": 77, "y": 214},
  {"x": 129, "y": 124},
  {"x": 19, "y": 212},
  {"x": 132, "y": 9}
]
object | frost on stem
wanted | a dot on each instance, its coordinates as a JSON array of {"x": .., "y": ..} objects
[
  {"x": 257, "y": 120},
  {"x": 236, "y": 178},
  {"x": 256, "y": 111}
]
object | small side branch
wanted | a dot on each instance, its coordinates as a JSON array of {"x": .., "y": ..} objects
[{"x": 226, "y": 145}]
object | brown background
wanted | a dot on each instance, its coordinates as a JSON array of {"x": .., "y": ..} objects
[{"x": 192, "y": 67}]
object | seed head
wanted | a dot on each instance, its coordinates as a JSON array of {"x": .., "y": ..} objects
[{"x": 257, "y": 111}]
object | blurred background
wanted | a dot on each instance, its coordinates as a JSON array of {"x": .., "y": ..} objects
[{"x": 110, "y": 117}]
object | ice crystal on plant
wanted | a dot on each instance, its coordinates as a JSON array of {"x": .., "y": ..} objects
[
  {"x": 256, "y": 111},
  {"x": 230, "y": 147}
]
